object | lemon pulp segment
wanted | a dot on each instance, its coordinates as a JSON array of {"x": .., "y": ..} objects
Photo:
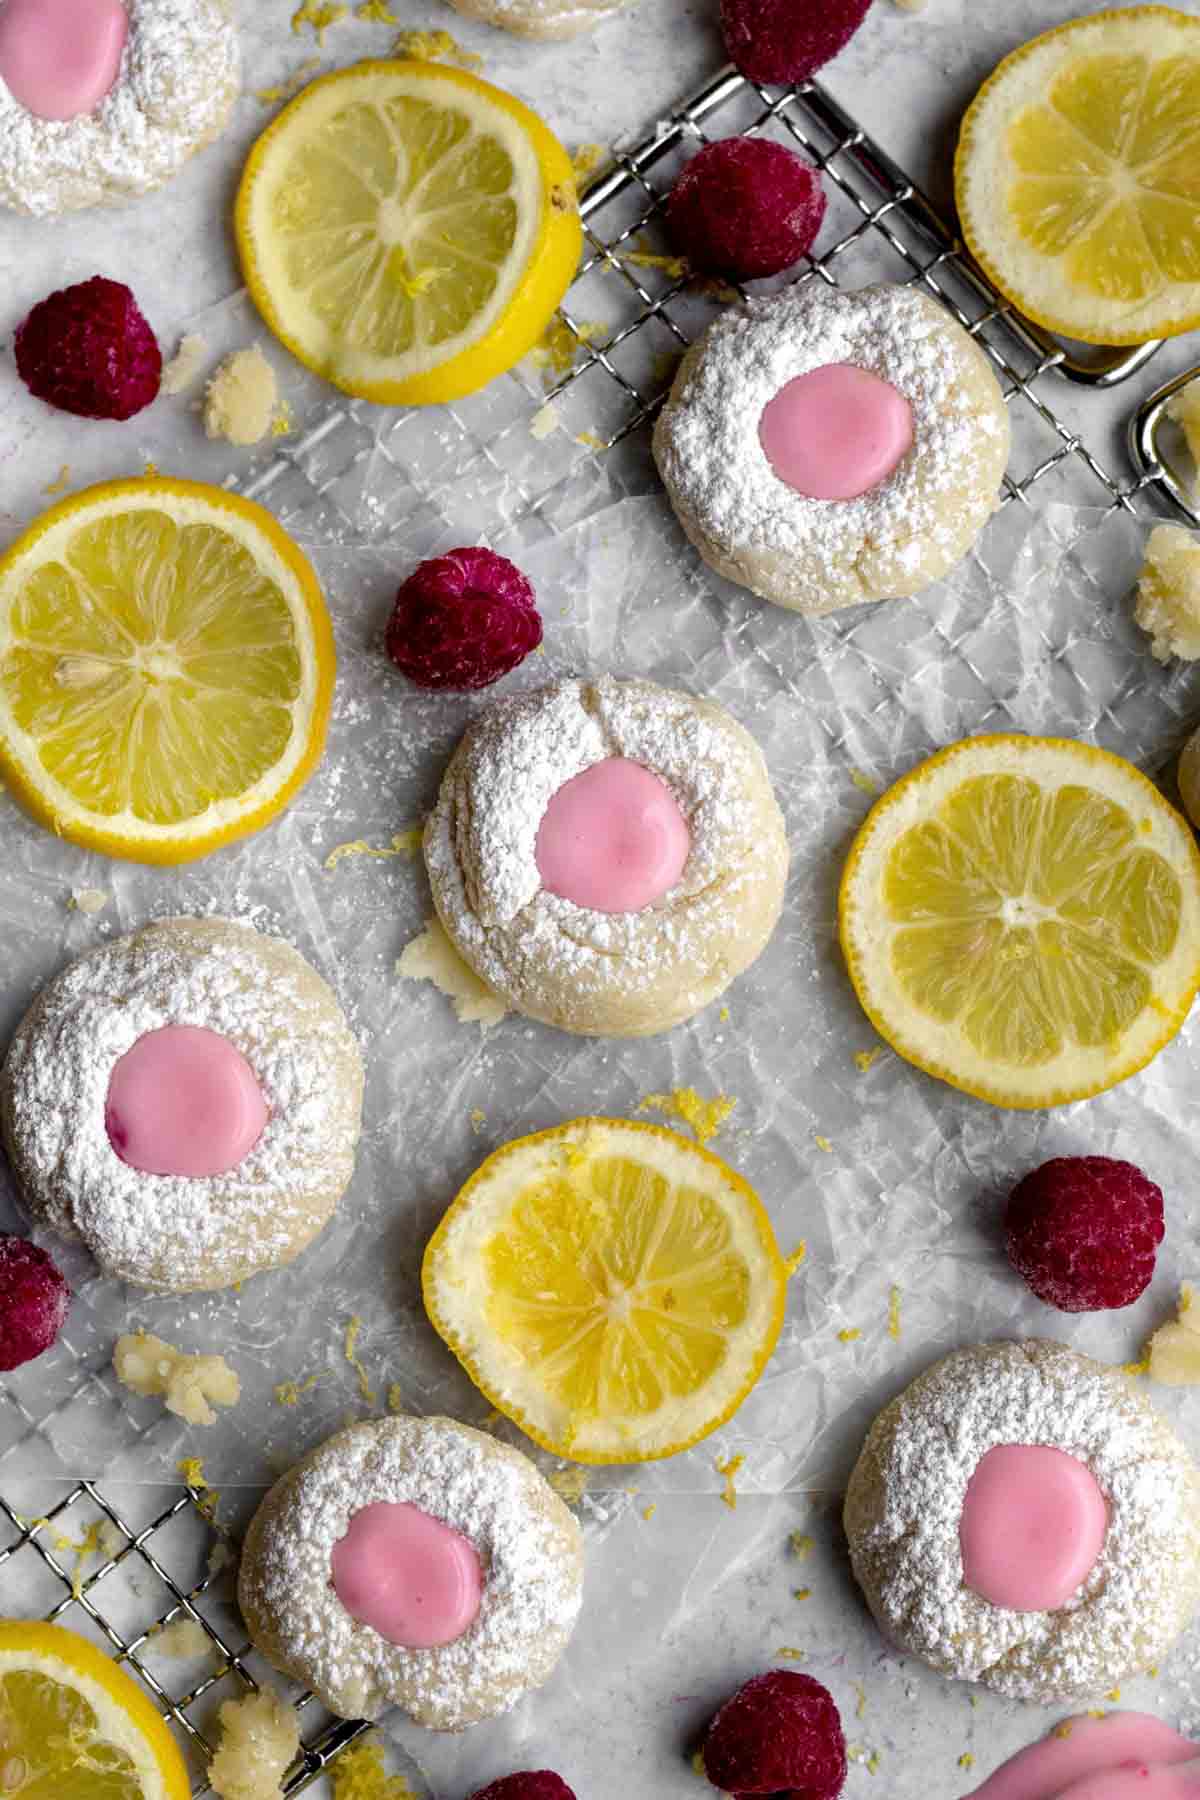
[
  {"x": 611, "y": 1287},
  {"x": 1022, "y": 918},
  {"x": 408, "y": 230},
  {"x": 1078, "y": 176}
]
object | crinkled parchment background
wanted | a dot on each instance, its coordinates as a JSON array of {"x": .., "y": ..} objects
[{"x": 890, "y": 1179}]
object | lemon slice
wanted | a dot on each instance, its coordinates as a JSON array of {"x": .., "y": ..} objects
[
  {"x": 1078, "y": 176},
  {"x": 612, "y": 1288},
  {"x": 408, "y": 230},
  {"x": 166, "y": 669},
  {"x": 74, "y": 1726},
  {"x": 1021, "y": 917}
]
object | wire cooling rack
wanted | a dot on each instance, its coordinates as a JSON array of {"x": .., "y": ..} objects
[{"x": 148, "y": 1572}]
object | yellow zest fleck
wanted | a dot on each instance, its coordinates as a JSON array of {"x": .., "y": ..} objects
[
  {"x": 1114, "y": 1694},
  {"x": 435, "y": 46},
  {"x": 395, "y": 1399},
  {"x": 801, "y": 1545},
  {"x": 405, "y": 843},
  {"x": 873, "y": 1763},
  {"x": 192, "y": 1471},
  {"x": 724, "y": 1015},
  {"x": 730, "y": 1470},
  {"x": 416, "y": 283},
  {"x": 698, "y": 1765},
  {"x": 358, "y": 1774},
  {"x": 1064, "y": 1730},
  {"x": 850, "y": 1335},
  {"x": 150, "y": 472},
  {"x": 704, "y": 1118},
  {"x": 966, "y": 1760},
  {"x": 320, "y": 14},
  {"x": 281, "y": 424},
  {"x": 83, "y": 1548},
  {"x": 803, "y": 1594},
  {"x": 894, "y": 1314},
  {"x": 590, "y": 441},
  {"x": 493, "y": 1419},
  {"x": 789, "y": 1653},
  {"x": 864, "y": 783},
  {"x": 62, "y": 484},
  {"x": 559, "y": 345},
  {"x": 478, "y": 1119},
  {"x": 648, "y": 1512},
  {"x": 643, "y": 257},
  {"x": 713, "y": 288},
  {"x": 1137, "y": 1368},
  {"x": 287, "y": 90},
  {"x": 350, "y": 1351},
  {"x": 865, "y": 1060},
  {"x": 586, "y": 158},
  {"x": 375, "y": 12},
  {"x": 570, "y": 1484},
  {"x": 288, "y": 1392},
  {"x": 861, "y": 1707},
  {"x": 824, "y": 1144},
  {"x": 1152, "y": 1671},
  {"x": 1095, "y": 1712},
  {"x": 792, "y": 1263}
]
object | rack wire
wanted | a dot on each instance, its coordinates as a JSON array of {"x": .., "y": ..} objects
[{"x": 880, "y": 226}]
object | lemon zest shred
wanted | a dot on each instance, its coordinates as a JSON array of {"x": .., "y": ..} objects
[
  {"x": 320, "y": 14},
  {"x": 643, "y": 257},
  {"x": 824, "y": 1144},
  {"x": 358, "y": 1774},
  {"x": 570, "y": 1484},
  {"x": 789, "y": 1653},
  {"x": 559, "y": 345},
  {"x": 350, "y": 1352},
  {"x": 288, "y": 1392},
  {"x": 648, "y": 1512},
  {"x": 375, "y": 12},
  {"x": 585, "y": 159},
  {"x": 191, "y": 1468},
  {"x": 151, "y": 471},
  {"x": 850, "y": 1335},
  {"x": 63, "y": 482},
  {"x": 730, "y": 1469},
  {"x": 478, "y": 1119},
  {"x": 435, "y": 46},
  {"x": 802, "y": 1546},
  {"x": 865, "y": 1060},
  {"x": 1064, "y": 1730},
  {"x": 792, "y": 1263},
  {"x": 1113, "y": 1694},
  {"x": 289, "y": 88},
  {"x": 966, "y": 1760},
  {"x": 589, "y": 440},
  {"x": 404, "y": 843},
  {"x": 704, "y": 1118},
  {"x": 802, "y": 1594},
  {"x": 894, "y": 1314},
  {"x": 861, "y": 1706}
]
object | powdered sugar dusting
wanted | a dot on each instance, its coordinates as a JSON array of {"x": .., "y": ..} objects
[
  {"x": 480, "y": 844},
  {"x": 917, "y": 521},
  {"x": 179, "y": 76},
  {"x": 528, "y": 1543},
  {"x": 906, "y": 1499},
  {"x": 173, "y": 1232}
]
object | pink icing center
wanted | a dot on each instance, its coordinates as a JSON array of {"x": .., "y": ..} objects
[
  {"x": 184, "y": 1101},
  {"x": 1033, "y": 1523},
  {"x": 613, "y": 839},
  {"x": 59, "y": 58},
  {"x": 836, "y": 433},
  {"x": 411, "y": 1578},
  {"x": 1123, "y": 1756}
]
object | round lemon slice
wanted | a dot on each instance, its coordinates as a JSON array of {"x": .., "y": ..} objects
[
  {"x": 166, "y": 669},
  {"x": 407, "y": 230},
  {"x": 612, "y": 1288},
  {"x": 1021, "y": 917},
  {"x": 74, "y": 1726},
  {"x": 1078, "y": 176}
]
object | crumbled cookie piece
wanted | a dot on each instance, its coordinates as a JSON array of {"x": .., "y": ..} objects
[
  {"x": 190, "y": 1386},
  {"x": 1168, "y": 596},
  {"x": 260, "y": 1736},
  {"x": 242, "y": 399}
]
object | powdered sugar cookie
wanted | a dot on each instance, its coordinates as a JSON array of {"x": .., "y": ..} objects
[
  {"x": 540, "y": 18},
  {"x": 823, "y": 448},
  {"x": 187, "y": 1101},
  {"x": 101, "y": 100},
  {"x": 607, "y": 856},
  {"x": 414, "y": 1563},
  {"x": 1022, "y": 1517}
]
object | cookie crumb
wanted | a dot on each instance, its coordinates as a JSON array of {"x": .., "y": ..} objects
[
  {"x": 1173, "y": 1352},
  {"x": 189, "y": 1386},
  {"x": 88, "y": 901},
  {"x": 242, "y": 398},
  {"x": 1168, "y": 594},
  {"x": 260, "y": 1736},
  {"x": 184, "y": 367},
  {"x": 432, "y": 957}
]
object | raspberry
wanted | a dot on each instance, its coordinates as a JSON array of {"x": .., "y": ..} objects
[
  {"x": 535, "y": 1784},
  {"x": 463, "y": 620},
  {"x": 1083, "y": 1232},
  {"x": 33, "y": 1302},
  {"x": 788, "y": 40},
  {"x": 745, "y": 208},
  {"x": 780, "y": 1734},
  {"x": 88, "y": 350}
]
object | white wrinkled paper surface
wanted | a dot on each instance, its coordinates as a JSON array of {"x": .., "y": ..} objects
[{"x": 891, "y": 1180}]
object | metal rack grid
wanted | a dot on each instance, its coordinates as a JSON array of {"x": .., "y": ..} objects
[{"x": 882, "y": 227}]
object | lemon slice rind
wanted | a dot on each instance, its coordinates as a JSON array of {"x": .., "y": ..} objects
[
  {"x": 942, "y": 1049},
  {"x": 456, "y": 1291},
  {"x": 1038, "y": 283}
]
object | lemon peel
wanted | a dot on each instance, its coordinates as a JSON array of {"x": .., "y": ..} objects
[
  {"x": 61, "y": 483},
  {"x": 894, "y": 1313},
  {"x": 320, "y": 14},
  {"x": 435, "y": 46},
  {"x": 350, "y": 1352},
  {"x": 731, "y": 1468},
  {"x": 404, "y": 843},
  {"x": 703, "y": 1118}
]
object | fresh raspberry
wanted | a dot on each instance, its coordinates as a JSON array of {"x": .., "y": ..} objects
[
  {"x": 33, "y": 1302},
  {"x": 788, "y": 40},
  {"x": 1083, "y": 1232},
  {"x": 535, "y": 1784},
  {"x": 88, "y": 350},
  {"x": 745, "y": 208},
  {"x": 780, "y": 1734},
  {"x": 463, "y": 620}
]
